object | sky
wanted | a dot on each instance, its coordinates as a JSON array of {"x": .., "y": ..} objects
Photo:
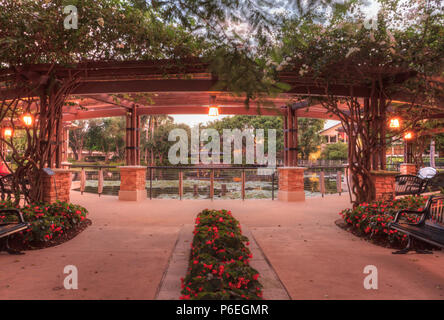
[{"x": 193, "y": 119}]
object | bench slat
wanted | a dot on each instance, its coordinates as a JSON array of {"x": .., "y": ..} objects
[{"x": 8, "y": 229}]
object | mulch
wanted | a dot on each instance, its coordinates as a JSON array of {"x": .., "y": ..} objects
[
  {"x": 380, "y": 241},
  {"x": 17, "y": 244}
]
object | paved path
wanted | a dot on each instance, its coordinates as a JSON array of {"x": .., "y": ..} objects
[{"x": 124, "y": 254}]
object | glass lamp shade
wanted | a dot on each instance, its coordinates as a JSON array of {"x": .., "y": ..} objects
[{"x": 213, "y": 111}]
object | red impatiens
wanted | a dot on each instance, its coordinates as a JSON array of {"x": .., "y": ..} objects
[
  {"x": 219, "y": 262},
  {"x": 372, "y": 219}
]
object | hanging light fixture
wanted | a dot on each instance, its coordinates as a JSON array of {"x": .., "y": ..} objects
[
  {"x": 408, "y": 135},
  {"x": 7, "y": 132},
  {"x": 213, "y": 111},
  {"x": 394, "y": 123},
  {"x": 27, "y": 119}
]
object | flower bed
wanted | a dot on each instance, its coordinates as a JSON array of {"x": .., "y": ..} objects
[
  {"x": 371, "y": 220},
  {"x": 219, "y": 261},
  {"x": 51, "y": 224}
]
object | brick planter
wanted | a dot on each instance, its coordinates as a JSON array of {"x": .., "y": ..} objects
[
  {"x": 384, "y": 184},
  {"x": 408, "y": 168},
  {"x": 291, "y": 184},
  {"x": 58, "y": 186},
  {"x": 132, "y": 183}
]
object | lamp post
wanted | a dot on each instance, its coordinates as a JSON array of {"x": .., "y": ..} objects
[
  {"x": 408, "y": 146},
  {"x": 213, "y": 111}
]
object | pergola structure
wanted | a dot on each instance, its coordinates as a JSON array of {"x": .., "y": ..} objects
[
  {"x": 107, "y": 105},
  {"x": 104, "y": 89}
]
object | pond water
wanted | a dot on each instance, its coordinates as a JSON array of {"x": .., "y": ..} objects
[{"x": 223, "y": 188}]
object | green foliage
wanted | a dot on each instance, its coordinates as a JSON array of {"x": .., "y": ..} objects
[
  {"x": 157, "y": 142},
  {"x": 48, "y": 221},
  {"x": 107, "y": 30},
  {"x": 335, "y": 151},
  {"x": 219, "y": 261},
  {"x": 308, "y": 134},
  {"x": 371, "y": 219},
  {"x": 309, "y": 138}
]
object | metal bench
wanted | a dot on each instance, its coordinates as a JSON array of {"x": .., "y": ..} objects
[
  {"x": 429, "y": 228},
  {"x": 9, "y": 227},
  {"x": 408, "y": 184}
]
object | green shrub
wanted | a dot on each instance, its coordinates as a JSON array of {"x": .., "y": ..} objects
[
  {"x": 219, "y": 261},
  {"x": 371, "y": 219},
  {"x": 48, "y": 221}
]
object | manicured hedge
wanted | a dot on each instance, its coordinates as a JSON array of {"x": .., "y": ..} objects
[
  {"x": 48, "y": 221},
  {"x": 371, "y": 220},
  {"x": 219, "y": 261}
]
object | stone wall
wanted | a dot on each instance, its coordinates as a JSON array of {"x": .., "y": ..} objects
[
  {"x": 58, "y": 186},
  {"x": 408, "y": 168},
  {"x": 384, "y": 184}
]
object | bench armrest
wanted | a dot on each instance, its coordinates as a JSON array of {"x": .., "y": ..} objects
[
  {"x": 400, "y": 212},
  {"x": 14, "y": 211}
]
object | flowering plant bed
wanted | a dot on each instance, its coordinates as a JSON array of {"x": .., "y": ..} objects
[
  {"x": 219, "y": 261},
  {"x": 370, "y": 220},
  {"x": 51, "y": 224}
]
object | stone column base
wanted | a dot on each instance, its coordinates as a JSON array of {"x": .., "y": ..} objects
[
  {"x": 132, "y": 183},
  {"x": 384, "y": 184},
  {"x": 291, "y": 195},
  {"x": 57, "y": 187},
  {"x": 291, "y": 184},
  {"x": 136, "y": 195}
]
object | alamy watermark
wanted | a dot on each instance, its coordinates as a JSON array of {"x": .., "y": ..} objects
[
  {"x": 206, "y": 147},
  {"x": 72, "y": 279},
  {"x": 371, "y": 281},
  {"x": 71, "y": 21}
]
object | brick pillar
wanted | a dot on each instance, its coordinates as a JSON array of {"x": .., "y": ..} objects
[
  {"x": 58, "y": 186},
  {"x": 408, "y": 168},
  {"x": 132, "y": 183},
  {"x": 384, "y": 183},
  {"x": 291, "y": 184}
]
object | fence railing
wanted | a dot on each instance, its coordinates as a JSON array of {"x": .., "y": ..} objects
[{"x": 209, "y": 182}]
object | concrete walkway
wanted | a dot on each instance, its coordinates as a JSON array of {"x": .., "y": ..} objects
[{"x": 124, "y": 254}]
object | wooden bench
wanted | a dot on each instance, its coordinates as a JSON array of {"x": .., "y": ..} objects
[
  {"x": 429, "y": 228},
  {"x": 10, "y": 226}
]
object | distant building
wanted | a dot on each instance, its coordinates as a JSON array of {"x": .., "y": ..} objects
[{"x": 334, "y": 134}]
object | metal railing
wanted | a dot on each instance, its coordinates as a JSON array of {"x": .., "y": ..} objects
[{"x": 209, "y": 182}]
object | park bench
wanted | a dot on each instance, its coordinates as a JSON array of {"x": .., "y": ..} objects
[
  {"x": 10, "y": 226},
  {"x": 429, "y": 228},
  {"x": 407, "y": 184}
]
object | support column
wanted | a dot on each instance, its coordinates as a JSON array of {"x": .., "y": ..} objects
[
  {"x": 59, "y": 141},
  {"x": 383, "y": 131},
  {"x": 285, "y": 140},
  {"x": 132, "y": 152},
  {"x": 57, "y": 187},
  {"x": 291, "y": 184},
  {"x": 290, "y": 138},
  {"x": 132, "y": 183}
]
